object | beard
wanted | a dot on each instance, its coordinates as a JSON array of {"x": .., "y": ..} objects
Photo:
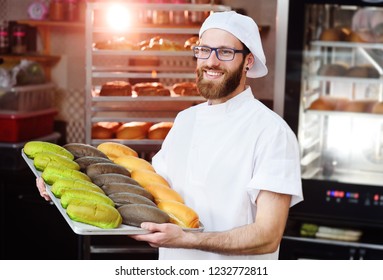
[{"x": 216, "y": 90}]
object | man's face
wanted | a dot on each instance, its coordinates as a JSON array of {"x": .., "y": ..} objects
[{"x": 217, "y": 79}]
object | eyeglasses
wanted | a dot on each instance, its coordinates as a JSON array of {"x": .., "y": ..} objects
[{"x": 223, "y": 54}]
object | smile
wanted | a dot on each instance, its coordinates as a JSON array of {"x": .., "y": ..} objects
[{"x": 213, "y": 74}]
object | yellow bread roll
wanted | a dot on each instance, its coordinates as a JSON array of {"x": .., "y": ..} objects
[
  {"x": 114, "y": 150},
  {"x": 159, "y": 130},
  {"x": 179, "y": 213},
  {"x": 147, "y": 177},
  {"x": 133, "y": 130},
  {"x": 163, "y": 192},
  {"x": 131, "y": 163}
]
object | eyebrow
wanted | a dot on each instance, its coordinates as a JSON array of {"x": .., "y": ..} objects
[{"x": 219, "y": 47}]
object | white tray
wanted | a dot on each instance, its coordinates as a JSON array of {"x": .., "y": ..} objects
[{"x": 85, "y": 229}]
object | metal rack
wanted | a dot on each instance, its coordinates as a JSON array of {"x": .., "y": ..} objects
[
  {"x": 124, "y": 109},
  {"x": 107, "y": 65}
]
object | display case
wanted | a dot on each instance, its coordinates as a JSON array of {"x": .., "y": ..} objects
[
  {"x": 332, "y": 98},
  {"x": 125, "y": 59}
]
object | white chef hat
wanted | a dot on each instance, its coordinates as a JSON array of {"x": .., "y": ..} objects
[{"x": 246, "y": 30}]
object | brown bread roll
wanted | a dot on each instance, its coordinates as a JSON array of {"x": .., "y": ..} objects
[
  {"x": 135, "y": 214},
  {"x": 116, "y": 88}
]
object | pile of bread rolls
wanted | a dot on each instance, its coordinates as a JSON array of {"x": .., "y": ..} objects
[
  {"x": 156, "y": 43},
  {"x": 124, "y": 88},
  {"x": 344, "y": 34},
  {"x": 140, "y": 179},
  {"x": 131, "y": 130}
]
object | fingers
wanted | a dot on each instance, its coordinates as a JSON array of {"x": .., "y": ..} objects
[
  {"x": 151, "y": 226},
  {"x": 42, "y": 189}
]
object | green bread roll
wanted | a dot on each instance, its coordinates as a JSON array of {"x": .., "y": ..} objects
[
  {"x": 63, "y": 184},
  {"x": 43, "y": 159},
  {"x": 94, "y": 213},
  {"x": 68, "y": 195},
  {"x": 52, "y": 173},
  {"x": 32, "y": 148}
]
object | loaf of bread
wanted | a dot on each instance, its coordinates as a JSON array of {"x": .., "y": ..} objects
[
  {"x": 105, "y": 130},
  {"x": 329, "y": 103},
  {"x": 377, "y": 108},
  {"x": 162, "y": 192},
  {"x": 146, "y": 177},
  {"x": 191, "y": 42},
  {"x": 119, "y": 43},
  {"x": 332, "y": 70},
  {"x": 335, "y": 34},
  {"x": 132, "y": 163},
  {"x": 116, "y": 88},
  {"x": 360, "y": 106},
  {"x": 180, "y": 214},
  {"x": 133, "y": 130},
  {"x": 186, "y": 89},
  {"x": 114, "y": 150},
  {"x": 150, "y": 89},
  {"x": 362, "y": 71},
  {"x": 159, "y": 130},
  {"x": 158, "y": 43}
]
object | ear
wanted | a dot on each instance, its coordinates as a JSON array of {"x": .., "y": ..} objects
[{"x": 249, "y": 61}]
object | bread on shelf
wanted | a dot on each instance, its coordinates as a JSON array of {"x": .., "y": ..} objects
[{"x": 116, "y": 88}]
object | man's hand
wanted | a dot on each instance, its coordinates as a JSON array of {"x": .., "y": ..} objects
[
  {"x": 163, "y": 235},
  {"x": 42, "y": 189}
]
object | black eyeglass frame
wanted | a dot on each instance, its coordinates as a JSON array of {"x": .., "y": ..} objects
[{"x": 216, "y": 52}]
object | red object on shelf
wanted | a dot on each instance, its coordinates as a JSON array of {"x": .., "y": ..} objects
[{"x": 16, "y": 127}]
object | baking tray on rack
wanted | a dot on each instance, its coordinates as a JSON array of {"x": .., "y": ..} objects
[{"x": 85, "y": 229}]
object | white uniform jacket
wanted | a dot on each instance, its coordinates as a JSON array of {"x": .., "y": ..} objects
[{"x": 218, "y": 157}]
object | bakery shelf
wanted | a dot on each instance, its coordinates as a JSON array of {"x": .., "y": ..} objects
[
  {"x": 148, "y": 99},
  {"x": 130, "y": 65},
  {"x": 152, "y": 75},
  {"x": 345, "y": 114},
  {"x": 154, "y": 30},
  {"x": 346, "y": 79},
  {"x": 339, "y": 44},
  {"x": 142, "y": 68},
  {"x": 130, "y": 119},
  {"x": 165, "y": 7},
  {"x": 142, "y": 53}
]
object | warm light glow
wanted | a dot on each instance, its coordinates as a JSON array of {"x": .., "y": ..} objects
[
  {"x": 118, "y": 17},
  {"x": 154, "y": 74}
]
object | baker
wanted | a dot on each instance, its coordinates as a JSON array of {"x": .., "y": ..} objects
[{"x": 233, "y": 160}]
